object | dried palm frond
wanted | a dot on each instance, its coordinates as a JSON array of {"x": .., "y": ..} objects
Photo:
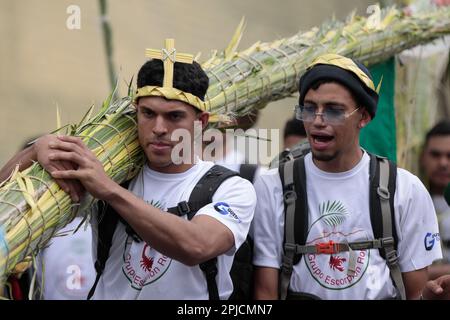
[{"x": 33, "y": 207}]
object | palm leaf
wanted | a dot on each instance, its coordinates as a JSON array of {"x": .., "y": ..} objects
[{"x": 333, "y": 213}]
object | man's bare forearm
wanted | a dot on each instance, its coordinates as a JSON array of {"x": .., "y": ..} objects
[
  {"x": 190, "y": 242},
  {"x": 24, "y": 159}
]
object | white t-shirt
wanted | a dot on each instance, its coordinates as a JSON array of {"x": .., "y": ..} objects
[
  {"x": 233, "y": 161},
  {"x": 338, "y": 205},
  {"x": 67, "y": 263},
  {"x": 135, "y": 270},
  {"x": 443, "y": 214}
]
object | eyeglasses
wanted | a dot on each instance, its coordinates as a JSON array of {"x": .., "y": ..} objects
[{"x": 330, "y": 115}]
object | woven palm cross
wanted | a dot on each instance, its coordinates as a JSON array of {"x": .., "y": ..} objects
[{"x": 169, "y": 56}]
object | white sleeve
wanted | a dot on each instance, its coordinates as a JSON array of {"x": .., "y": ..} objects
[
  {"x": 233, "y": 205},
  {"x": 268, "y": 223},
  {"x": 417, "y": 226}
]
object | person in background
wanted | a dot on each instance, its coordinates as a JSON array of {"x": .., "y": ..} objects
[
  {"x": 232, "y": 155},
  {"x": 435, "y": 163},
  {"x": 65, "y": 268},
  {"x": 293, "y": 133}
]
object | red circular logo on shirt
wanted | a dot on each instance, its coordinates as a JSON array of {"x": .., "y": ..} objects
[{"x": 142, "y": 264}]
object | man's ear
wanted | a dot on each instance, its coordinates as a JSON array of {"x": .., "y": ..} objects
[
  {"x": 204, "y": 117},
  {"x": 365, "y": 119}
]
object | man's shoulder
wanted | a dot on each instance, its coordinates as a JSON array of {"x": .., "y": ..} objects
[
  {"x": 269, "y": 181},
  {"x": 204, "y": 165},
  {"x": 268, "y": 176},
  {"x": 237, "y": 190},
  {"x": 409, "y": 185},
  {"x": 233, "y": 181},
  {"x": 237, "y": 183}
]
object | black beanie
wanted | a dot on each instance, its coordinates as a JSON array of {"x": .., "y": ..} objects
[{"x": 365, "y": 96}]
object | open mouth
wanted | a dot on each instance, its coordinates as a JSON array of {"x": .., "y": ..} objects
[
  {"x": 322, "y": 138},
  {"x": 321, "y": 141}
]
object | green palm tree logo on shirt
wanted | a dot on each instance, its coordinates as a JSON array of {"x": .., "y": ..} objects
[
  {"x": 329, "y": 271},
  {"x": 333, "y": 213}
]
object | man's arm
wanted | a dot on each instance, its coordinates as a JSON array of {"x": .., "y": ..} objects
[
  {"x": 418, "y": 245},
  {"x": 268, "y": 235},
  {"x": 190, "y": 242},
  {"x": 24, "y": 159},
  {"x": 438, "y": 269},
  {"x": 414, "y": 282},
  {"x": 266, "y": 283},
  {"x": 39, "y": 151}
]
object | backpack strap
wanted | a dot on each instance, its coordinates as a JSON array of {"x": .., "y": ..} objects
[
  {"x": 331, "y": 247},
  {"x": 203, "y": 191},
  {"x": 389, "y": 250},
  {"x": 301, "y": 149},
  {"x": 248, "y": 171},
  {"x": 297, "y": 151},
  {"x": 107, "y": 223},
  {"x": 383, "y": 176},
  {"x": 292, "y": 174},
  {"x": 202, "y": 195}
]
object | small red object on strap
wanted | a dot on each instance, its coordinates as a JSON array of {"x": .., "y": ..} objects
[{"x": 329, "y": 247}]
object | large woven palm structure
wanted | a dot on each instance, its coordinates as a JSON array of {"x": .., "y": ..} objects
[{"x": 33, "y": 207}]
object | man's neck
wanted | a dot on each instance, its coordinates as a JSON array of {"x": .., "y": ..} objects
[
  {"x": 341, "y": 163},
  {"x": 171, "y": 168}
]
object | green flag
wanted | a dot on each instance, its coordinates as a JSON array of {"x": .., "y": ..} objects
[{"x": 379, "y": 136}]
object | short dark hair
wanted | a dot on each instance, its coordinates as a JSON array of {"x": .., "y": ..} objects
[
  {"x": 294, "y": 127},
  {"x": 187, "y": 77},
  {"x": 442, "y": 128}
]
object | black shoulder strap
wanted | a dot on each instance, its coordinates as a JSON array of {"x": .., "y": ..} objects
[
  {"x": 293, "y": 180},
  {"x": 203, "y": 191},
  {"x": 205, "y": 188},
  {"x": 202, "y": 195},
  {"x": 383, "y": 176},
  {"x": 297, "y": 151},
  {"x": 107, "y": 222},
  {"x": 375, "y": 205},
  {"x": 248, "y": 171},
  {"x": 301, "y": 222}
]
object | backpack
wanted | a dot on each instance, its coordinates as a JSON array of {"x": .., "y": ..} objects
[
  {"x": 382, "y": 189},
  {"x": 201, "y": 195},
  {"x": 295, "y": 152},
  {"x": 242, "y": 268},
  {"x": 248, "y": 171}
]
